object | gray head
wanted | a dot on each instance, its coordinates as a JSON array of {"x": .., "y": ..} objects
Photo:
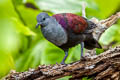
[{"x": 42, "y": 19}]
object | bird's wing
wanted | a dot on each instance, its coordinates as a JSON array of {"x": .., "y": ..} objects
[{"x": 71, "y": 21}]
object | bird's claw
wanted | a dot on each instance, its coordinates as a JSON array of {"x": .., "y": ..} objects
[
  {"x": 83, "y": 58},
  {"x": 63, "y": 63},
  {"x": 56, "y": 63}
]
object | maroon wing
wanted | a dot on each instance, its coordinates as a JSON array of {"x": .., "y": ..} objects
[{"x": 68, "y": 20}]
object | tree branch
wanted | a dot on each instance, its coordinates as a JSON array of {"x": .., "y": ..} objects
[
  {"x": 102, "y": 25},
  {"x": 105, "y": 65}
]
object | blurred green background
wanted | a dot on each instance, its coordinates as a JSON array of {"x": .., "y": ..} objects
[{"x": 23, "y": 47}]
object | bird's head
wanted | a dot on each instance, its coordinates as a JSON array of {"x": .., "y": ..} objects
[{"x": 42, "y": 19}]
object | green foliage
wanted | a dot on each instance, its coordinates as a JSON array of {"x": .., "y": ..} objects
[
  {"x": 70, "y": 6},
  {"x": 23, "y": 47},
  {"x": 110, "y": 35},
  {"x": 85, "y": 78},
  {"x": 65, "y": 78},
  {"x": 107, "y": 7}
]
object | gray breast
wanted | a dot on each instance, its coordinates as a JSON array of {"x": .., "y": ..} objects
[{"x": 54, "y": 33}]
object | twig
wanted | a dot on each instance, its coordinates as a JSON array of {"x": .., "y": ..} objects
[
  {"x": 83, "y": 9},
  {"x": 102, "y": 25}
]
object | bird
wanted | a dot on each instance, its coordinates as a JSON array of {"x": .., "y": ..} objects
[{"x": 66, "y": 30}]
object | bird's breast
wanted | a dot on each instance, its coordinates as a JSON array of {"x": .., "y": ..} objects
[{"x": 55, "y": 34}]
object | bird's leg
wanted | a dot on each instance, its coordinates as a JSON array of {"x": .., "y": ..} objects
[
  {"x": 66, "y": 54},
  {"x": 82, "y": 47}
]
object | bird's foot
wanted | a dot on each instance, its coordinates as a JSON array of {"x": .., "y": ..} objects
[
  {"x": 83, "y": 58},
  {"x": 63, "y": 63},
  {"x": 57, "y": 63}
]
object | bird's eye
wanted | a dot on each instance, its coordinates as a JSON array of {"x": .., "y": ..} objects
[{"x": 43, "y": 18}]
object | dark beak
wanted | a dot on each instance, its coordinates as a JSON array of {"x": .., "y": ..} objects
[{"x": 38, "y": 25}]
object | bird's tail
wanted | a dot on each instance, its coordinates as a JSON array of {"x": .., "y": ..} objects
[{"x": 92, "y": 43}]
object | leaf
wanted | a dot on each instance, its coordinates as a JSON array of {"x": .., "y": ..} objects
[
  {"x": 10, "y": 41},
  {"x": 28, "y": 15},
  {"x": 23, "y": 29},
  {"x": 8, "y": 38},
  {"x": 7, "y": 9},
  {"x": 65, "y": 78},
  {"x": 107, "y": 7},
  {"x": 112, "y": 34},
  {"x": 6, "y": 63},
  {"x": 67, "y": 6},
  {"x": 42, "y": 53},
  {"x": 86, "y": 78}
]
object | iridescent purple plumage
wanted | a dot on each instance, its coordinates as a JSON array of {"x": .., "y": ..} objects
[
  {"x": 68, "y": 20},
  {"x": 61, "y": 20}
]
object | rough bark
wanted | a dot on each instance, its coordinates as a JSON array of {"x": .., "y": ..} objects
[{"x": 102, "y": 67}]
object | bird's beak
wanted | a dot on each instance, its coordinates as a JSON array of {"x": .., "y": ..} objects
[{"x": 38, "y": 25}]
